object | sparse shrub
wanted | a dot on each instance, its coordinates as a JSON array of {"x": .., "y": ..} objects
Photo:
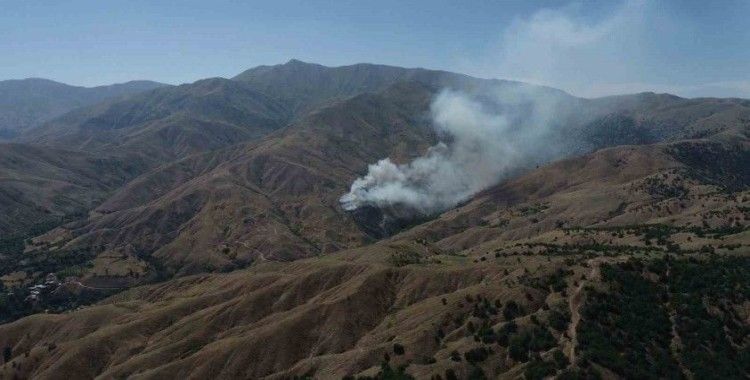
[
  {"x": 7, "y": 354},
  {"x": 388, "y": 373},
  {"x": 558, "y": 321},
  {"x": 476, "y": 355},
  {"x": 398, "y": 349},
  {"x": 532, "y": 339},
  {"x": 400, "y": 259},
  {"x": 455, "y": 356},
  {"x": 477, "y": 374},
  {"x": 512, "y": 310},
  {"x": 538, "y": 370},
  {"x": 560, "y": 359}
]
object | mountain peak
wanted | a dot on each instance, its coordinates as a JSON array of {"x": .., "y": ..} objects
[{"x": 295, "y": 61}]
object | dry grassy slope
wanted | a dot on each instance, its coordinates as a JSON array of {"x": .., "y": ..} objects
[
  {"x": 39, "y": 184},
  {"x": 174, "y": 122},
  {"x": 628, "y": 185},
  {"x": 649, "y": 118},
  {"x": 331, "y": 316},
  {"x": 275, "y": 199},
  {"x": 339, "y": 314},
  {"x": 168, "y": 123},
  {"x": 328, "y": 317},
  {"x": 160, "y": 126},
  {"x": 584, "y": 189},
  {"x": 305, "y": 87}
]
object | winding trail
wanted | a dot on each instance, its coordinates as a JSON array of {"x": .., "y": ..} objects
[
  {"x": 261, "y": 255},
  {"x": 82, "y": 285}
]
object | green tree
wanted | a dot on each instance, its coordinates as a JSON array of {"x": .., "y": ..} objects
[{"x": 7, "y": 354}]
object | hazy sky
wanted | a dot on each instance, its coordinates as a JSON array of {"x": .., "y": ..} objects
[{"x": 691, "y": 48}]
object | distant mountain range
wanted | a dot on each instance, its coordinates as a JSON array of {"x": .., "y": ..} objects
[
  {"x": 27, "y": 103},
  {"x": 144, "y": 196}
]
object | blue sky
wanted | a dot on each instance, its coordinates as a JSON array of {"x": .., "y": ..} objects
[{"x": 592, "y": 48}]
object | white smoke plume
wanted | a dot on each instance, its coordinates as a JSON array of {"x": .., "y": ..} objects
[{"x": 488, "y": 136}]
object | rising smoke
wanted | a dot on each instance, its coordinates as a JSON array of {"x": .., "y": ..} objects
[{"x": 487, "y": 137}]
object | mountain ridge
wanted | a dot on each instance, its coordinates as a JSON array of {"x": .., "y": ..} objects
[{"x": 25, "y": 103}]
